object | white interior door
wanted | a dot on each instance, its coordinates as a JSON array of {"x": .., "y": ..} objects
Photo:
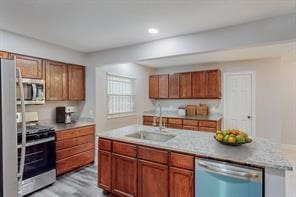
[{"x": 239, "y": 103}]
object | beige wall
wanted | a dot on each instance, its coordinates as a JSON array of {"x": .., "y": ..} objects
[
  {"x": 288, "y": 97},
  {"x": 268, "y": 91},
  {"x": 47, "y": 111},
  {"x": 143, "y": 103}
]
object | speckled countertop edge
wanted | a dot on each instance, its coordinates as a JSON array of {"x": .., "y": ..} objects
[
  {"x": 62, "y": 126},
  {"x": 260, "y": 152},
  {"x": 174, "y": 114}
]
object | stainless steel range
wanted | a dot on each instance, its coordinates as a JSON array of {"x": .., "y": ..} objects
[{"x": 39, "y": 163}]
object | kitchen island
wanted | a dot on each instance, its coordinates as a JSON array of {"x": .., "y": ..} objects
[{"x": 136, "y": 160}]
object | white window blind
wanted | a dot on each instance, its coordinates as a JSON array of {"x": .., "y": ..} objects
[{"x": 120, "y": 95}]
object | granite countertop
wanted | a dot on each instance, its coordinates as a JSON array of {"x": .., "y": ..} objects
[
  {"x": 63, "y": 126},
  {"x": 260, "y": 152},
  {"x": 174, "y": 114}
]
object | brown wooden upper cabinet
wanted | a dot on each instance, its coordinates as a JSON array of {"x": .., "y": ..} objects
[
  {"x": 213, "y": 84},
  {"x": 4, "y": 55},
  {"x": 185, "y": 85},
  {"x": 174, "y": 86},
  {"x": 199, "y": 84},
  {"x": 163, "y": 86},
  {"x": 56, "y": 81},
  {"x": 76, "y": 76},
  {"x": 190, "y": 85},
  {"x": 153, "y": 86},
  {"x": 30, "y": 67}
]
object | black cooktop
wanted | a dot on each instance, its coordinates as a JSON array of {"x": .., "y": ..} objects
[{"x": 36, "y": 132}]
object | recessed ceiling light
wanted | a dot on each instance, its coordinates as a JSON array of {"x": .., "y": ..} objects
[{"x": 153, "y": 31}]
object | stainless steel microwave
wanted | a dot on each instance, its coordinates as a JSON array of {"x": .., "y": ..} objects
[{"x": 34, "y": 92}]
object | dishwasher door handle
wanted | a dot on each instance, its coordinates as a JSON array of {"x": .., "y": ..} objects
[{"x": 225, "y": 171}]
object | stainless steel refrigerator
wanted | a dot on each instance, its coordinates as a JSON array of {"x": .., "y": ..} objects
[{"x": 8, "y": 153}]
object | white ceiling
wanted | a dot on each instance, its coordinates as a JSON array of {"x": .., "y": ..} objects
[
  {"x": 270, "y": 51},
  {"x": 91, "y": 25}
]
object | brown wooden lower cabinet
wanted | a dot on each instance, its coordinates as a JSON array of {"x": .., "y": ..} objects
[
  {"x": 151, "y": 172},
  {"x": 181, "y": 182},
  {"x": 74, "y": 162},
  {"x": 186, "y": 124},
  {"x": 74, "y": 148},
  {"x": 152, "y": 179},
  {"x": 124, "y": 175},
  {"x": 104, "y": 170}
]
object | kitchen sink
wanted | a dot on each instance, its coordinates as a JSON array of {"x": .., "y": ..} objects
[{"x": 157, "y": 137}]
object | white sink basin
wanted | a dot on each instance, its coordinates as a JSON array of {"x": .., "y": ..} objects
[{"x": 158, "y": 137}]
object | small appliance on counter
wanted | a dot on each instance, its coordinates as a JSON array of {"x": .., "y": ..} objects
[
  {"x": 182, "y": 111},
  {"x": 64, "y": 114}
]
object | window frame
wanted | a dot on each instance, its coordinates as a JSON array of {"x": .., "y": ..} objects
[{"x": 120, "y": 114}]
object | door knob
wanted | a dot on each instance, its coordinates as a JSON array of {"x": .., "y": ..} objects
[{"x": 249, "y": 117}]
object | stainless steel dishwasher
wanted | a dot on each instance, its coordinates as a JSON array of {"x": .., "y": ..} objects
[{"x": 221, "y": 179}]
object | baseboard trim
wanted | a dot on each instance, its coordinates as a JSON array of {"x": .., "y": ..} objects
[{"x": 289, "y": 146}]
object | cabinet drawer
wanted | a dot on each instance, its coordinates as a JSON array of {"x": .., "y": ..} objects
[
  {"x": 152, "y": 154},
  {"x": 76, "y": 161},
  {"x": 148, "y": 123},
  {"x": 150, "y": 119},
  {"x": 105, "y": 144},
  {"x": 190, "y": 123},
  {"x": 212, "y": 124},
  {"x": 74, "y": 142},
  {"x": 175, "y": 126},
  {"x": 72, "y": 133},
  {"x": 194, "y": 128},
  {"x": 147, "y": 118},
  {"x": 62, "y": 154},
  {"x": 174, "y": 121},
  {"x": 182, "y": 161},
  {"x": 207, "y": 129},
  {"x": 125, "y": 149}
]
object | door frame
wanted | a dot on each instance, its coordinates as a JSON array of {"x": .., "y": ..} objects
[{"x": 253, "y": 99}]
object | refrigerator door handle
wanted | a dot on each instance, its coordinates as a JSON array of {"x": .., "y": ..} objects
[{"x": 23, "y": 144}]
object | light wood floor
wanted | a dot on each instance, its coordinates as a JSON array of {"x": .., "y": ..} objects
[{"x": 83, "y": 183}]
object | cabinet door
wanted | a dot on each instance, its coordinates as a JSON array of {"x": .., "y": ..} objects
[
  {"x": 213, "y": 84},
  {"x": 199, "y": 84},
  {"x": 174, "y": 86},
  {"x": 104, "y": 170},
  {"x": 124, "y": 175},
  {"x": 56, "y": 81},
  {"x": 152, "y": 179},
  {"x": 153, "y": 86},
  {"x": 4, "y": 55},
  {"x": 30, "y": 67},
  {"x": 185, "y": 85},
  {"x": 76, "y": 75},
  {"x": 163, "y": 85},
  {"x": 181, "y": 183}
]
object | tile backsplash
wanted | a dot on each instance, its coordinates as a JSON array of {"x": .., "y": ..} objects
[
  {"x": 215, "y": 106},
  {"x": 48, "y": 110}
]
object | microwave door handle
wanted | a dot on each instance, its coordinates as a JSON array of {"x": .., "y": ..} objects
[
  {"x": 23, "y": 144},
  {"x": 34, "y": 89},
  {"x": 225, "y": 171}
]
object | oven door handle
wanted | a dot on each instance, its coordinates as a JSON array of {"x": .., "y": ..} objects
[
  {"x": 38, "y": 142},
  {"x": 225, "y": 171}
]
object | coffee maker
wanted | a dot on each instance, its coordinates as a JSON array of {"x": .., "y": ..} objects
[{"x": 64, "y": 114}]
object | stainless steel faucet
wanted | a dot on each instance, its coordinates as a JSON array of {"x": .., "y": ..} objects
[{"x": 161, "y": 125}]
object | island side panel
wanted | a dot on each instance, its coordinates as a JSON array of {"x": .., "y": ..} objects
[{"x": 274, "y": 182}]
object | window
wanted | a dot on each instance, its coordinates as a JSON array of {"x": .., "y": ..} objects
[{"x": 120, "y": 95}]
